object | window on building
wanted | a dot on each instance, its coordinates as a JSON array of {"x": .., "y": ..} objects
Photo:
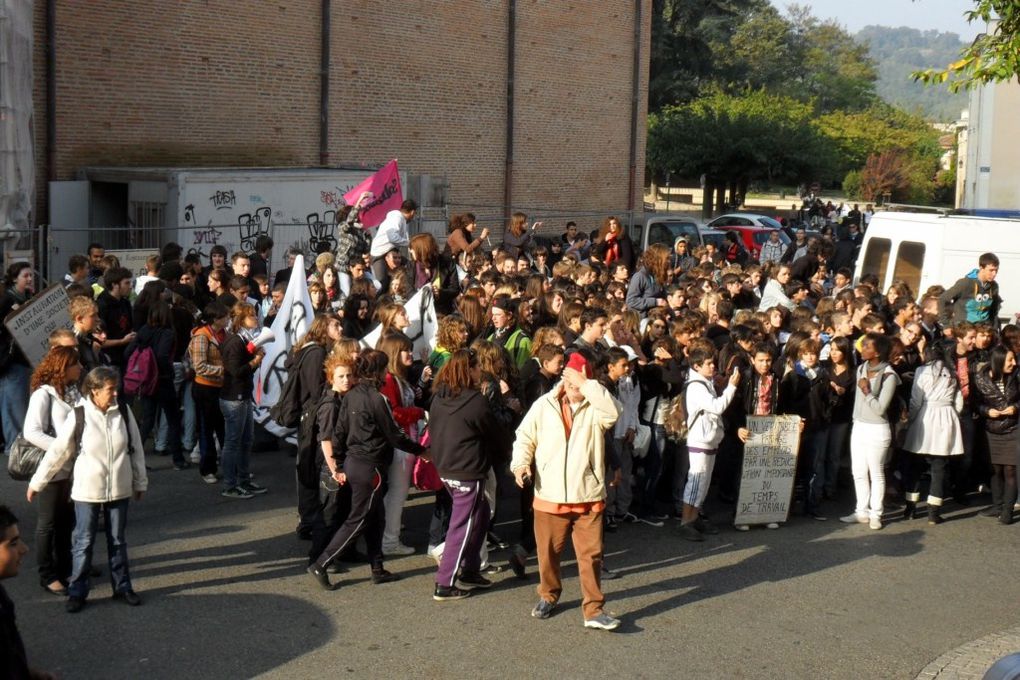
[
  {"x": 909, "y": 263},
  {"x": 876, "y": 259}
]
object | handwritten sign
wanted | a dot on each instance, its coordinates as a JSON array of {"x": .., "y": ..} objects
[
  {"x": 134, "y": 260},
  {"x": 31, "y": 324},
  {"x": 770, "y": 465}
]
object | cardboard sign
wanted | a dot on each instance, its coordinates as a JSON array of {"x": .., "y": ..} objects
[
  {"x": 32, "y": 323},
  {"x": 770, "y": 465},
  {"x": 134, "y": 260}
]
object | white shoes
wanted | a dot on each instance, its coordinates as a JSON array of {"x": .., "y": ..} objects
[
  {"x": 397, "y": 550},
  {"x": 436, "y": 552},
  {"x": 854, "y": 518},
  {"x": 742, "y": 527},
  {"x": 875, "y": 523},
  {"x": 772, "y": 525}
]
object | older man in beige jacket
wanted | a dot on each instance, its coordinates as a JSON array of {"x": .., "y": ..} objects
[{"x": 560, "y": 448}]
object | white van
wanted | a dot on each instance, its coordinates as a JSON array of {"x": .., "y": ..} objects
[{"x": 926, "y": 250}]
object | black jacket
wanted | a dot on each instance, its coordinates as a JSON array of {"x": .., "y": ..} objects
[
  {"x": 161, "y": 340},
  {"x": 13, "y": 661},
  {"x": 309, "y": 361},
  {"x": 465, "y": 435},
  {"x": 10, "y": 352},
  {"x": 367, "y": 430},
  {"x": 238, "y": 375},
  {"x": 806, "y": 397},
  {"x": 987, "y": 395}
]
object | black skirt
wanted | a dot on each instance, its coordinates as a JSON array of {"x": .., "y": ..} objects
[{"x": 1004, "y": 448}]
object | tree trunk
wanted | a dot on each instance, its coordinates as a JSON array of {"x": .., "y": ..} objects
[
  {"x": 742, "y": 190},
  {"x": 733, "y": 193},
  {"x": 706, "y": 199},
  {"x": 720, "y": 197}
]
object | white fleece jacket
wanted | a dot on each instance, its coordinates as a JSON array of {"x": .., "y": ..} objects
[{"x": 106, "y": 469}]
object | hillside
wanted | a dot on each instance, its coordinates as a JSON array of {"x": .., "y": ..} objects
[{"x": 897, "y": 52}]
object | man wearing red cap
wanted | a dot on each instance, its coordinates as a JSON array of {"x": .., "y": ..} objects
[{"x": 560, "y": 448}]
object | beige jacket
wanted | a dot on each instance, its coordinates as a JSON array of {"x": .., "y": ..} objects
[{"x": 571, "y": 471}]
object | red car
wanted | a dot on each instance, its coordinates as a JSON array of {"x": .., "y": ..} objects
[{"x": 754, "y": 237}]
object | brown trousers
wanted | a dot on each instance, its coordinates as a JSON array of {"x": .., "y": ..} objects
[{"x": 551, "y": 533}]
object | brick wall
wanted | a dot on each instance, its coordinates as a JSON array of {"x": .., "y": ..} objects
[{"x": 212, "y": 83}]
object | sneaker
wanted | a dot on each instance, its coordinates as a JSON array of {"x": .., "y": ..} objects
[
  {"x": 181, "y": 465},
  {"x": 704, "y": 526},
  {"x": 476, "y": 581},
  {"x": 518, "y": 560},
  {"x": 991, "y": 511},
  {"x": 611, "y": 523},
  {"x": 129, "y": 596},
  {"x": 657, "y": 516},
  {"x": 435, "y": 552},
  {"x": 603, "y": 622},
  {"x": 815, "y": 515},
  {"x": 397, "y": 549},
  {"x": 854, "y": 518},
  {"x": 196, "y": 456},
  {"x": 875, "y": 523},
  {"x": 629, "y": 518},
  {"x": 320, "y": 576},
  {"x": 741, "y": 527},
  {"x": 651, "y": 521},
  {"x": 210, "y": 478},
  {"x": 772, "y": 525},
  {"x": 253, "y": 488},
  {"x": 543, "y": 609},
  {"x": 382, "y": 576},
  {"x": 237, "y": 492},
  {"x": 608, "y": 574},
  {"x": 690, "y": 532},
  {"x": 444, "y": 593},
  {"x": 74, "y": 604},
  {"x": 495, "y": 542}
]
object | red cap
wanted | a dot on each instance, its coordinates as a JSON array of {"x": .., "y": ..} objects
[{"x": 580, "y": 364}]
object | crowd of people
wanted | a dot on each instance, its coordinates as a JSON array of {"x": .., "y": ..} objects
[{"x": 614, "y": 387}]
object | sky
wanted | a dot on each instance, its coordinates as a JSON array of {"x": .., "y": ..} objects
[{"x": 942, "y": 15}]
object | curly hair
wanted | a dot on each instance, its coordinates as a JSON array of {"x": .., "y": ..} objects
[{"x": 52, "y": 370}]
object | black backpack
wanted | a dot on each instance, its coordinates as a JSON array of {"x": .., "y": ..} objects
[{"x": 288, "y": 408}]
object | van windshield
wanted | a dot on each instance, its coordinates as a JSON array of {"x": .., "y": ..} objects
[{"x": 668, "y": 232}]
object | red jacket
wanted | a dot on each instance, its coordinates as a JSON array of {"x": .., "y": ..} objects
[{"x": 406, "y": 416}]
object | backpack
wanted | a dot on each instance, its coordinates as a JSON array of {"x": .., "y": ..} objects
[
  {"x": 288, "y": 407},
  {"x": 79, "y": 427},
  {"x": 141, "y": 375},
  {"x": 675, "y": 421}
]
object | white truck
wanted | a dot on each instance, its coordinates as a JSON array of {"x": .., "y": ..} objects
[{"x": 925, "y": 249}]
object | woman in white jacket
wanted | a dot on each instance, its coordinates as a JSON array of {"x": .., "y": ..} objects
[
  {"x": 54, "y": 393},
  {"x": 102, "y": 440},
  {"x": 934, "y": 433}
]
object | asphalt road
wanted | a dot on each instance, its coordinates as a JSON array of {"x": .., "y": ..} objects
[{"x": 225, "y": 596}]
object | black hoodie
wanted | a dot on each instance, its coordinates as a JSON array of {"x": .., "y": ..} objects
[
  {"x": 464, "y": 435},
  {"x": 366, "y": 427}
]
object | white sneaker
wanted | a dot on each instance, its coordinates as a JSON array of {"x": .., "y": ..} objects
[
  {"x": 602, "y": 622},
  {"x": 210, "y": 479},
  {"x": 772, "y": 525},
  {"x": 742, "y": 527},
  {"x": 854, "y": 518},
  {"x": 435, "y": 552},
  {"x": 196, "y": 455},
  {"x": 875, "y": 523},
  {"x": 397, "y": 549}
]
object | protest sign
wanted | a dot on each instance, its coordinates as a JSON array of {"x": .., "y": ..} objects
[
  {"x": 770, "y": 465},
  {"x": 421, "y": 313},
  {"x": 134, "y": 260},
  {"x": 31, "y": 324},
  {"x": 386, "y": 195},
  {"x": 291, "y": 323}
]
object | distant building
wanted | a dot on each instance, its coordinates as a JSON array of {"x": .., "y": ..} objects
[{"x": 988, "y": 158}]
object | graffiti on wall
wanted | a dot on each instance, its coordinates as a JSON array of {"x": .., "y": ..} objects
[
  {"x": 322, "y": 232},
  {"x": 254, "y": 225}
]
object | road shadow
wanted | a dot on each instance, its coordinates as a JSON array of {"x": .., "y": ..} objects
[{"x": 181, "y": 636}]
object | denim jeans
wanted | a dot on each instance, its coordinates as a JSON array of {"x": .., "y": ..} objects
[
  {"x": 13, "y": 401},
  {"x": 238, "y": 433},
  {"x": 163, "y": 401},
  {"x": 86, "y": 518},
  {"x": 835, "y": 445}
]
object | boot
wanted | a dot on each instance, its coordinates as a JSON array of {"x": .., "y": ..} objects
[
  {"x": 910, "y": 510},
  {"x": 935, "y": 515},
  {"x": 1006, "y": 516}
]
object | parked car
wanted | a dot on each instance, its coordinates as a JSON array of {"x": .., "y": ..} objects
[
  {"x": 666, "y": 229},
  {"x": 743, "y": 219},
  {"x": 754, "y": 237}
]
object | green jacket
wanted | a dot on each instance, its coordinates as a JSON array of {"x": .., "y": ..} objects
[{"x": 518, "y": 346}]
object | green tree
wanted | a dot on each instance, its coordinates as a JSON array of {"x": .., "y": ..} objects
[
  {"x": 992, "y": 57},
  {"x": 858, "y": 135}
]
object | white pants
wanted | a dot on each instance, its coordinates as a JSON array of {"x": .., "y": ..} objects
[
  {"x": 869, "y": 450},
  {"x": 401, "y": 470},
  {"x": 699, "y": 476}
]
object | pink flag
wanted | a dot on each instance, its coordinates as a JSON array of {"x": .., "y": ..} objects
[{"x": 386, "y": 194}]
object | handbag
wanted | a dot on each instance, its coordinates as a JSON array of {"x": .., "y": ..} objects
[
  {"x": 425, "y": 476},
  {"x": 642, "y": 440},
  {"x": 24, "y": 459}
]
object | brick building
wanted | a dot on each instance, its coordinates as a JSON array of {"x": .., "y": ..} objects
[{"x": 198, "y": 83}]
